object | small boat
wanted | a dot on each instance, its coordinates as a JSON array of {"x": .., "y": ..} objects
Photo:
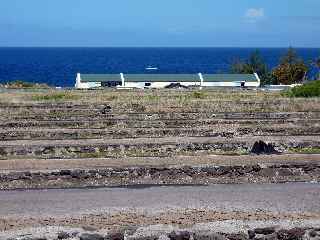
[{"x": 151, "y": 68}]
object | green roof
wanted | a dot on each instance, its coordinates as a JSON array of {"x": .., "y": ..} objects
[
  {"x": 168, "y": 77},
  {"x": 161, "y": 78},
  {"x": 229, "y": 77},
  {"x": 100, "y": 78}
]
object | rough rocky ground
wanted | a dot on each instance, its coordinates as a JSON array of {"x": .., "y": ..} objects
[
  {"x": 156, "y": 138},
  {"x": 214, "y": 209},
  {"x": 55, "y": 139},
  {"x": 229, "y": 230}
]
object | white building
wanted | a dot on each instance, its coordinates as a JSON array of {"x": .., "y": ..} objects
[{"x": 86, "y": 81}]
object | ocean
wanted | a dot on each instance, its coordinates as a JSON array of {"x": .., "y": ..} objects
[{"x": 58, "y": 66}]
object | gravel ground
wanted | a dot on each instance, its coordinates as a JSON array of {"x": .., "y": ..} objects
[
  {"x": 276, "y": 198},
  {"x": 146, "y": 232}
]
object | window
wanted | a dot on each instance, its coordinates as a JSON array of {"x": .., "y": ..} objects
[{"x": 110, "y": 84}]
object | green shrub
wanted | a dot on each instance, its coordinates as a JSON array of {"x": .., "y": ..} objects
[
  {"x": 153, "y": 98},
  {"x": 60, "y": 96},
  {"x": 198, "y": 95},
  {"x": 311, "y": 89},
  {"x": 307, "y": 150},
  {"x": 23, "y": 84}
]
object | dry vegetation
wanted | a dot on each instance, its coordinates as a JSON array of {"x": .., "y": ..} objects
[
  {"x": 171, "y": 100},
  {"x": 95, "y": 127}
]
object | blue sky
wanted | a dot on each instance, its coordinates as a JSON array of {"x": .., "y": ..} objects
[{"x": 200, "y": 23}]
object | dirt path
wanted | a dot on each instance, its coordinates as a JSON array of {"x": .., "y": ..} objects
[
  {"x": 276, "y": 198},
  {"x": 112, "y": 207},
  {"x": 165, "y": 140},
  {"x": 95, "y": 163}
]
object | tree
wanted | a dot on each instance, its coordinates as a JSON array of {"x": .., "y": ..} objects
[
  {"x": 255, "y": 64},
  {"x": 317, "y": 64},
  {"x": 291, "y": 69},
  {"x": 291, "y": 57}
]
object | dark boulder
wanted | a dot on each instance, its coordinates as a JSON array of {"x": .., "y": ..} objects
[
  {"x": 115, "y": 236},
  {"x": 208, "y": 236},
  {"x": 292, "y": 234},
  {"x": 261, "y": 147},
  {"x": 272, "y": 236},
  {"x": 3, "y": 152},
  {"x": 265, "y": 231},
  {"x": 237, "y": 236},
  {"x": 31, "y": 238},
  {"x": 65, "y": 172},
  {"x": 63, "y": 235},
  {"x": 106, "y": 109},
  {"x": 183, "y": 235},
  {"x": 78, "y": 174},
  {"x": 251, "y": 234},
  {"x": 91, "y": 236},
  {"x": 312, "y": 233},
  {"x": 146, "y": 238}
]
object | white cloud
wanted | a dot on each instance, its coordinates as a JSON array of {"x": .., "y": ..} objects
[{"x": 254, "y": 14}]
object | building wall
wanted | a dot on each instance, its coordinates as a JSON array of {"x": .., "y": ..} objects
[
  {"x": 205, "y": 84},
  {"x": 157, "y": 84},
  {"x": 85, "y": 85},
  {"x": 230, "y": 84},
  {"x": 141, "y": 85}
]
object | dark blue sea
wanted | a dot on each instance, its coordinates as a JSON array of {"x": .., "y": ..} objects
[{"x": 58, "y": 66}]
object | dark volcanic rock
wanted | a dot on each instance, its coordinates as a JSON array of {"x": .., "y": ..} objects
[
  {"x": 89, "y": 228},
  {"x": 292, "y": 234},
  {"x": 106, "y": 109},
  {"x": 91, "y": 236},
  {"x": 265, "y": 231},
  {"x": 251, "y": 234},
  {"x": 146, "y": 238},
  {"x": 238, "y": 236},
  {"x": 156, "y": 175},
  {"x": 208, "y": 236},
  {"x": 65, "y": 172},
  {"x": 184, "y": 235},
  {"x": 63, "y": 235},
  {"x": 272, "y": 236},
  {"x": 313, "y": 233},
  {"x": 261, "y": 147},
  {"x": 29, "y": 238},
  {"x": 3, "y": 152},
  {"x": 115, "y": 236}
]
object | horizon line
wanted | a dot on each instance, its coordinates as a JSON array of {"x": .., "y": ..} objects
[{"x": 250, "y": 47}]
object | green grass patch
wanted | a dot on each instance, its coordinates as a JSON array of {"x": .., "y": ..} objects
[
  {"x": 153, "y": 98},
  {"x": 198, "y": 95},
  {"x": 308, "y": 150},
  {"x": 93, "y": 155},
  {"x": 55, "y": 96},
  {"x": 311, "y": 89}
]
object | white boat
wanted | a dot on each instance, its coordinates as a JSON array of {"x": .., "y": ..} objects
[{"x": 151, "y": 68}]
